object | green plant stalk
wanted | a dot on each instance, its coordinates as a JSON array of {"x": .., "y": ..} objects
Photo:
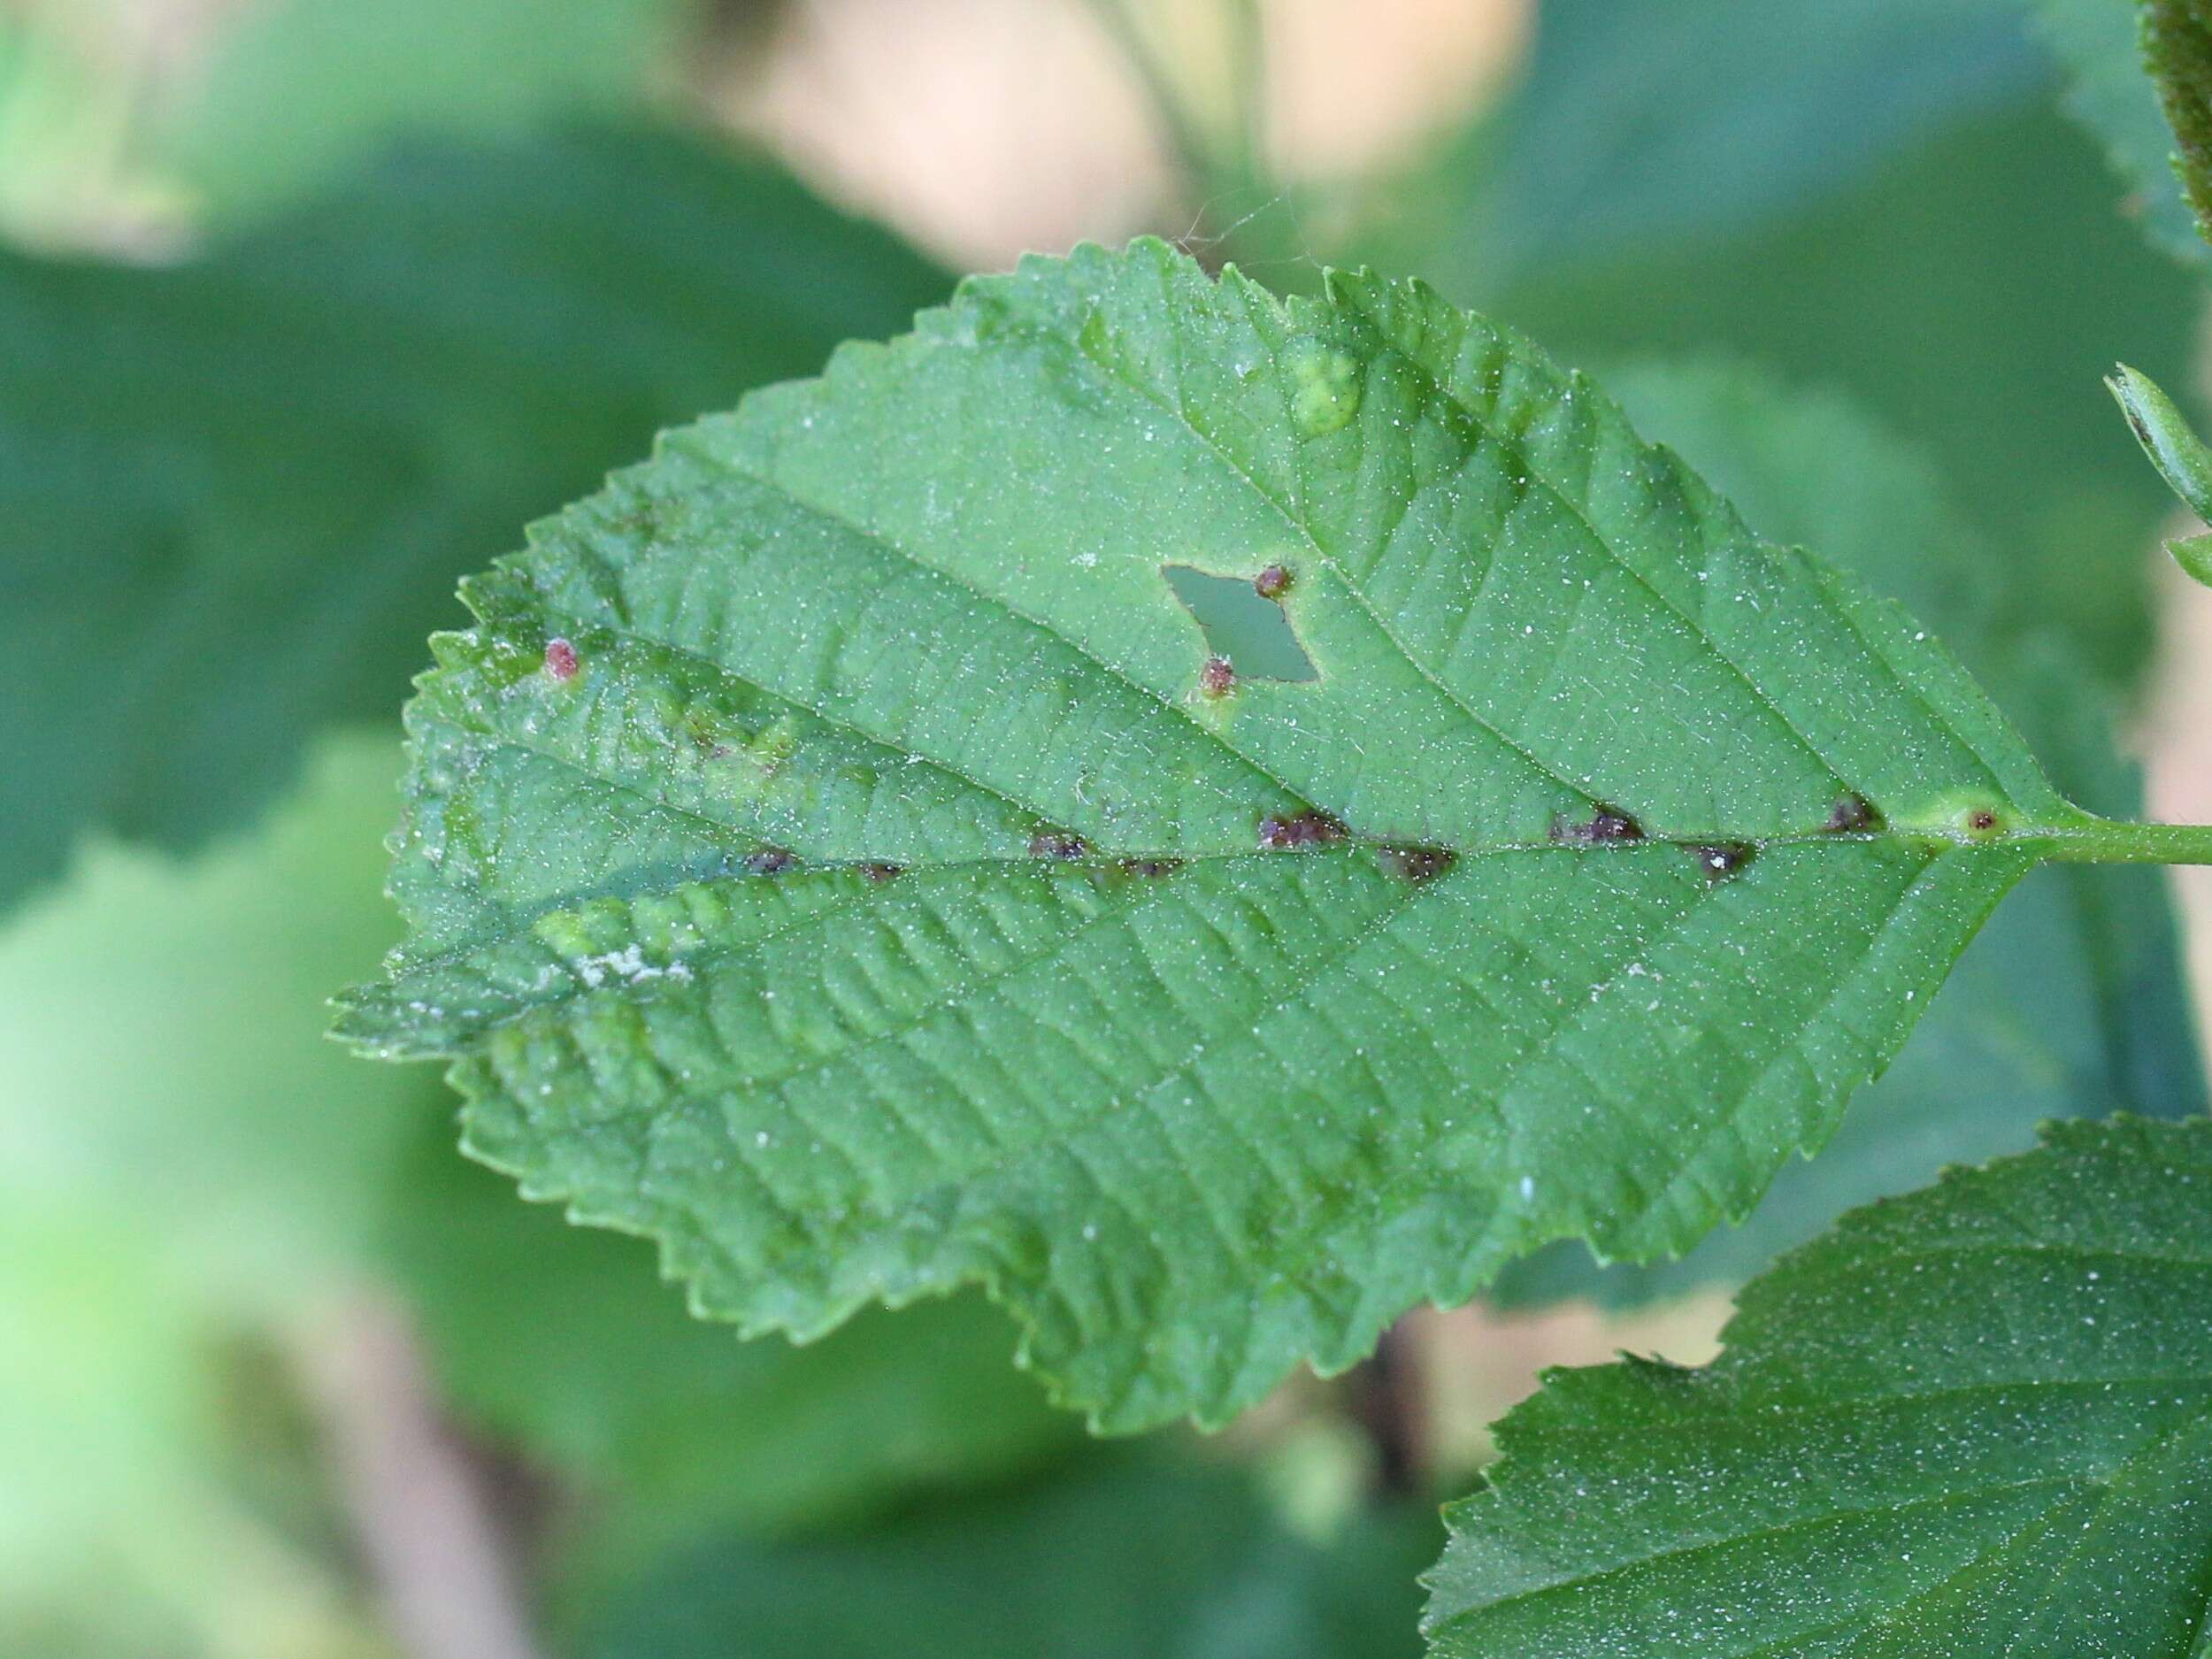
[
  {"x": 2109, "y": 841},
  {"x": 1211, "y": 166},
  {"x": 1189, "y": 151}
]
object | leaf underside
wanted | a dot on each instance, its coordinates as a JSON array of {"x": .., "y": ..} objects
[
  {"x": 836, "y": 854},
  {"x": 1974, "y": 1421}
]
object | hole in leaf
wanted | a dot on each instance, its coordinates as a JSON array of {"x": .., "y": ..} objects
[{"x": 1241, "y": 626}]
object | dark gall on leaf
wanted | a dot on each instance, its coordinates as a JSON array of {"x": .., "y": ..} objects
[
  {"x": 770, "y": 861},
  {"x": 1604, "y": 826},
  {"x": 1057, "y": 844},
  {"x": 1307, "y": 829},
  {"x": 560, "y": 661},
  {"x": 1417, "y": 864},
  {"x": 1722, "y": 860},
  {"x": 1217, "y": 678},
  {"x": 1981, "y": 820},
  {"x": 1149, "y": 867},
  {"x": 1271, "y": 583},
  {"x": 1852, "y": 815}
]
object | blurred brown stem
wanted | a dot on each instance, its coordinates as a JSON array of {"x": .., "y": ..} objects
[
  {"x": 1386, "y": 1399},
  {"x": 418, "y": 1503},
  {"x": 1189, "y": 151}
]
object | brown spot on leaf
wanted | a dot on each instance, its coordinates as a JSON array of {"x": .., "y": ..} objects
[
  {"x": 1057, "y": 844},
  {"x": 1852, "y": 815},
  {"x": 560, "y": 660},
  {"x": 1418, "y": 865},
  {"x": 880, "y": 874},
  {"x": 1603, "y": 826},
  {"x": 1307, "y": 829},
  {"x": 1149, "y": 867},
  {"x": 770, "y": 861}
]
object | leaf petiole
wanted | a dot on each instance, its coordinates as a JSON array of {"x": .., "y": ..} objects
[{"x": 2112, "y": 842}]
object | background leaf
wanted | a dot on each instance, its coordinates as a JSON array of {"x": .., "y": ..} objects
[
  {"x": 187, "y": 1170},
  {"x": 235, "y": 494},
  {"x": 1053, "y": 1570},
  {"x": 1664, "y": 119},
  {"x": 2102, "y": 47},
  {"x": 1974, "y": 1421},
  {"x": 1198, "y": 1081}
]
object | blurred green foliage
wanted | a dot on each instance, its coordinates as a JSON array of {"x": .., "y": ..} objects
[
  {"x": 236, "y": 494},
  {"x": 1133, "y": 1558},
  {"x": 303, "y": 88},
  {"x": 2101, "y": 47}
]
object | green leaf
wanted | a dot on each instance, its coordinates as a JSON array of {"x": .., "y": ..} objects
[
  {"x": 826, "y": 854},
  {"x": 1974, "y": 1421},
  {"x": 2101, "y": 45},
  {"x": 2177, "y": 46},
  {"x": 2178, "y": 453},
  {"x": 235, "y": 494},
  {"x": 1051, "y": 1571},
  {"x": 2072, "y": 999}
]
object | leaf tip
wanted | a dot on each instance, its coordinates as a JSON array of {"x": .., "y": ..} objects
[{"x": 2174, "y": 450}]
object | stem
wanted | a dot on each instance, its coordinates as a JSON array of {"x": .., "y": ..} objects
[
  {"x": 1386, "y": 1402},
  {"x": 1192, "y": 155},
  {"x": 423, "y": 1516},
  {"x": 2108, "y": 841},
  {"x": 1248, "y": 59}
]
